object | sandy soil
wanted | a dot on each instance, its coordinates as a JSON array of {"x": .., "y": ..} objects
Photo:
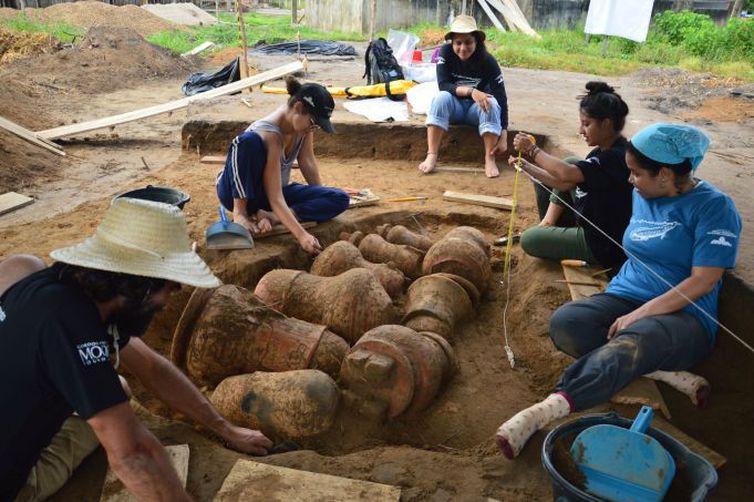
[{"x": 446, "y": 453}]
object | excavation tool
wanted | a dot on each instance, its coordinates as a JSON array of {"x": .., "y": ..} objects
[
  {"x": 227, "y": 234},
  {"x": 624, "y": 464}
]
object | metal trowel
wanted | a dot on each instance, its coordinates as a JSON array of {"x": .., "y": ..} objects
[{"x": 226, "y": 234}]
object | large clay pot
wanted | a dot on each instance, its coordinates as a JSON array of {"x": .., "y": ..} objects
[
  {"x": 399, "y": 234},
  {"x": 463, "y": 252},
  {"x": 436, "y": 303},
  {"x": 394, "y": 370},
  {"x": 291, "y": 404},
  {"x": 408, "y": 259},
  {"x": 349, "y": 304},
  {"x": 342, "y": 256},
  {"x": 227, "y": 331}
]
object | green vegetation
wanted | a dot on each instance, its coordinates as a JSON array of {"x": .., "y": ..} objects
[
  {"x": 271, "y": 29},
  {"x": 62, "y": 31}
]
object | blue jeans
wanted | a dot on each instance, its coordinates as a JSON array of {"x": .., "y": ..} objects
[
  {"x": 447, "y": 109},
  {"x": 671, "y": 342},
  {"x": 245, "y": 181}
]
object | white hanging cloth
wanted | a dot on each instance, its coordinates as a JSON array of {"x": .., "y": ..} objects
[{"x": 621, "y": 18}]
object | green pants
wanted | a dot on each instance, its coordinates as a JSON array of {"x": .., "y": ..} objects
[
  {"x": 564, "y": 241},
  {"x": 69, "y": 447}
]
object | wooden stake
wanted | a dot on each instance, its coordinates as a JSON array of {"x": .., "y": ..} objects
[
  {"x": 294, "y": 11},
  {"x": 244, "y": 46}
]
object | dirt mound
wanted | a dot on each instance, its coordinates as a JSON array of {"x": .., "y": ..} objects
[
  {"x": 90, "y": 13},
  {"x": 680, "y": 89},
  {"x": 106, "y": 59},
  {"x": 23, "y": 166}
]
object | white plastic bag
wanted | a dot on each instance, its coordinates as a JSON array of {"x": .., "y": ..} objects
[
  {"x": 403, "y": 45},
  {"x": 420, "y": 97},
  {"x": 420, "y": 72}
]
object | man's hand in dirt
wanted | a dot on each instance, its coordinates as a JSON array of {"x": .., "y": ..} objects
[
  {"x": 482, "y": 99},
  {"x": 310, "y": 244},
  {"x": 247, "y": 440}
]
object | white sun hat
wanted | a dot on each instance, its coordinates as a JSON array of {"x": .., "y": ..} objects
[
  {"x": 464, "y": 24},
  {"x": 144, "y": 238}
]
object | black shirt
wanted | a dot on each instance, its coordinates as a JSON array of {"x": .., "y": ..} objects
[
  {"x": 480, "y": 71},
  {"x": 54, "y": 360},
  {"x": 604, "y": 197}
]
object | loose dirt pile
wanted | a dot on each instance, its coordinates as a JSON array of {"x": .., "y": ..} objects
[
  {"x": 672, "y": 89},
  {"x": 88, "y": 14}
]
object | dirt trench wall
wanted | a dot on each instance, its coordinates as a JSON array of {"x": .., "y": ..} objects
[{"x": 355, "y": 140}]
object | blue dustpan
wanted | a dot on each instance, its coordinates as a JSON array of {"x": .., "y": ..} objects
[{"x": 624, "y": 464}]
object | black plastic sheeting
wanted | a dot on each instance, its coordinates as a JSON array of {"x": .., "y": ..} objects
[
  {"x": 203, "y": 82},
  {"x": 323, "y": 47}
]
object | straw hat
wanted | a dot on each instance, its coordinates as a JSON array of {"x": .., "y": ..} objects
[
  {"x": 464, "y": 24},
  {"x": 144, "y": 238}
]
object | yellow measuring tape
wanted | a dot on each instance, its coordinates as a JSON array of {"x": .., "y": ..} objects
[{"x": 508, "y": 244}]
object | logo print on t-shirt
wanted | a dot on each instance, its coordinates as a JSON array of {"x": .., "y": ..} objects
[
  {"x": 652, "y": 230},
  {"x": 93, "y": 353},
  {"x": 722, "y": 232},
  {"x": 2, "y": 314},
  {"x": 579, "y": 193},
  {"x": 721, "y": 241}
]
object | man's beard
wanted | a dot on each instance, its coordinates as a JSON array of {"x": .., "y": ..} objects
[{"x": 133, "y": 318}]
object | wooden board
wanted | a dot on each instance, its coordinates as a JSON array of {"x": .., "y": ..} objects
[
  {"x": 199, "y": 48},
  {"x": 365, "y": 197},
  {"x": 123, "y": 118},
  {"x": 114, "y": 491},
  {"x": 10, "y": 201},
  {"x": 491, "y": 15},
  {"x": 583, "y": 274},
  {"x": 643, "y": 391},
  {"x": 280, "y": 229},
  {"x": 30, "y": 136},
  {"x": 254, "y": 481},
  {"x": 449, "y": 169},
  {"x": 478, "y": 200},
  {"x": 213, "y": 159}
]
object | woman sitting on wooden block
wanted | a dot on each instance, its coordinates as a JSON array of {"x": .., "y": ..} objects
[
  {"x": 255, "y": 183},
  {"x": 660, "y": 311},
  {"x": 471, "y": 92},
  {"x": 597, "y": 187}
]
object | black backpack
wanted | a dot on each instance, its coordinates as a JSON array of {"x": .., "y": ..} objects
[{"x": 380, "y": 64}]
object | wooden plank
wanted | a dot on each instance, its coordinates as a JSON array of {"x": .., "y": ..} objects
[
  {"x": 577, "y": 276},
  {"x": 30, "y": 136},
  {"x": 506, "y": 13},
  {"x": 114, "y": 491},
  {"x": 213, "y": 159},
  {"x": 513, "y": 15},
  {"x": 199, "y": 48},
  {"x": 280, "y": 229},
  {"x": 250, "y": 480},
  {"x": 10, "y": 201},
  {"x": 478, "y": 200},
  {"x": 448, "y": 169},
  {"x": 490, "y": 15},
  {"x": 123, "y": 118},
  {"x": 642, "y": 391}
]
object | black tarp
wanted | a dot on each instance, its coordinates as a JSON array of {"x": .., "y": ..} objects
[
  {"x": 202, "y": 82},
  {"x": 322, "y": 47}
]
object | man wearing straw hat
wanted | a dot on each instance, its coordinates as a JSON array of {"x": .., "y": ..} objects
[{"x": 63, "y": 328}]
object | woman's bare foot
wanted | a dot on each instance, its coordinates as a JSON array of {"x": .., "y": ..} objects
[
  {"x": 266, "y": 220},
  {"x": 429, "y": 163},
  {"x": 490, "y": 167}
]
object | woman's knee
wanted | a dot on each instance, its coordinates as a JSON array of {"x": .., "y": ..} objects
[
  {"x": 341, "y": 200},
  {"x": 575, "y": 329},
  {"x": 442, "y": 104},
  {"x": 531, "y": 241}
]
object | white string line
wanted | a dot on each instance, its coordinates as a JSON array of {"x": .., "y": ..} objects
[
  {"x": 628, "y": 253},
  {"x": 507, "y": 347}
]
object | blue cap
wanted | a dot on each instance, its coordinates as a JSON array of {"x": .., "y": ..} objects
[{"x": 672, "y": 143}]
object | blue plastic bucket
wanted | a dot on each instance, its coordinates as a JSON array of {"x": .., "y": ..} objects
[
  {"x": 698, "y": 473},
  {"x": 158, "y": 194}
]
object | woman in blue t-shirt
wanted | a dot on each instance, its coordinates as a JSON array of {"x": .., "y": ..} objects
[
  {"x": 660, "y": 311},
  {"x": 471, "y": 92},
  {"x": 597, "y": 187}
]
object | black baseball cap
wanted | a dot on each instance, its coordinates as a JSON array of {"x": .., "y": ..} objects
[{"x": 319, "y": 103}]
